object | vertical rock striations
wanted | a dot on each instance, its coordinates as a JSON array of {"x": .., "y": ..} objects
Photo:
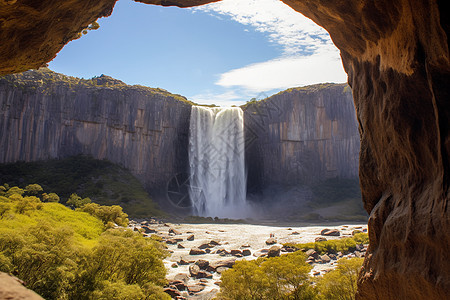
[
  {"x": 48, "y": 115},
  {"x": 301, "y": 136}
]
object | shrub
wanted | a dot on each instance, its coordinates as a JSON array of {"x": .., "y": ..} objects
[
  {"x": 340, "y": 283},
  {"x": 285, "y": 277}
]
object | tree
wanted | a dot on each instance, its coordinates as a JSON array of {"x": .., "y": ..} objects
[
  {"x": 52, "y": 197},
  {"x": 285, "y": 277},
  {"x": 33, "y": 189},
  {"x": 340, "y": 283},
  {"x": 75, "y": 201}
]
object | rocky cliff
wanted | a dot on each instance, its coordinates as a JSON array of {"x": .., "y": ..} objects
[
  {"x": 49, "y": 115},
  {"x": 301, "y": 136}
]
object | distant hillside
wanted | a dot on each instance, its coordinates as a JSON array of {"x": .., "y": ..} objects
[{"x": 100, "y": 180}]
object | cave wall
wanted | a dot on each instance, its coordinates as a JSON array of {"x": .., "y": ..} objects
[
  {"x": 396, "y": 55},
  {"x": 301, "y": 136},
  {"x": 48, "y": 115}
]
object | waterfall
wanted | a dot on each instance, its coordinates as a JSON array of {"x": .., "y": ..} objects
[{"x": 216, "y": 160}]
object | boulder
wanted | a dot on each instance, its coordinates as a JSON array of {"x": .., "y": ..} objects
[
  {"x": 148, "y": 229},
  {"x": 271, "y": 241},
  {"x": 311, "y": 252},
  {"x": 196, "y": 251},
  {"x": 195, "y": 288},
  {"x": 214, "y": 243},
  {"x": 223, "y": 263},
  {"x": 202, "y": 264},
  {"x": 181, "y": 277},
  {"x": 246, "y": 252},
  {"x": 235, "y": 252},
  {"x": 274, "y": 251},
  {"x": 179, "y": 284},
  {"x": 325, "y": 258},
  {"x": 330, "y": 232},
  {"x": 193, "y": 270},
  {"x": 172, "y": 292},
  {"x": 204, "y": 246},
  {"x": 174, "y": 231},
  {"x": 221, "y": 269}
]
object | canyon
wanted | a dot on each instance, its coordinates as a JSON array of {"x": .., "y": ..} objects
[{"x": 396, "y": 55}]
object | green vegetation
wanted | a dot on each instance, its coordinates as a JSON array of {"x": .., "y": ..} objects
[
  {"x": 344, "y": 245},
  {"x": 70, "y": 254},
  {"x": 344, "y": 195},
  {"x": 340, "y": 283},
  {"x": 46, "y": 81},
  {"x": 284, "y": 277},
  {"x": 99, "y": 180},
  {"x": 287, "y": 277},
  {"x": 210, "y": 220}
]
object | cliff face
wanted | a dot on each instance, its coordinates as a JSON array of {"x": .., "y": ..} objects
[
  {"x": 48, "y": 115},
  {"x": 301, "y": 136}
]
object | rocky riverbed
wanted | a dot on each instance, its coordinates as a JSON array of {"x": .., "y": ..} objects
[{"x": 200, "y": 252}]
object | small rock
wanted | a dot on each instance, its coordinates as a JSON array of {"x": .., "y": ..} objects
[
  {"x": 289, "y": 229},
  {"x": 171, "y": 242},
  {"x": 195, "y": 288},
  {"x": 196, "y": 251},
  {"x": 332, "y": 256},
  {"x": 246, "y": 252},
  {"x": 325, "y": 258},
  {"x": 204, "y": 246},
  {"x": 271, "y": 241},
  {"x": 172, "y": 292},
  {"x": 193, "y": 270},
  {"x": 214, "y": 243},
  {"x": 221, "y": 269},
  {"x": 207, "y": 250},
  {"x": 179, "y": 284},
  {"x": 204, "y": 274},
  {"x": 180, "y": 246},
  {"x": 148, "y": 229},
  {"x": 174, "y": 265},
  {"x": 312, "y": 252},
  {"x": 190, "y": 238},
  {"x": 184, "y": 262},
  {"x": 330, "y": 232},
  {"x": 295, "y": 233},
  {"x": 316, "y": 273},
  {"x": 202, "y": 264},
  {"x": 245, "y": 246},
  {"x": 274, "y": 251},
  {"x": 173, "y": 231},
  {"x": 218, "y": 283},
  {"x": 181, "y": 277},
  {"x": 289, "y": 249},
  {"x": 235, "y": 252},
  {"x": 223, "y": 263},
  {"x": 203, "y": 280},
  {"x": 320, "y": 239}
]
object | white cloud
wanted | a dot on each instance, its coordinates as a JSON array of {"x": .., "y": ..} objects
[
  {"x": 227, "y": 98},
  {"x": 285, "y": 72},
  {"x": 284, "y": 26},
  {"x": 309, "y": 56}
]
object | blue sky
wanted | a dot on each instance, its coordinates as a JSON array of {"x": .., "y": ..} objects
[{"x": 223, "y": 53}]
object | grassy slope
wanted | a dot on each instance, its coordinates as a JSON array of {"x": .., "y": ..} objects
[{"x": 102, "y": 181}]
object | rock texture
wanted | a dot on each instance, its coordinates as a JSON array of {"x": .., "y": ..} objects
[
  {"x": 11, "y": 288},
  {"x": 301, "y": 136},
  {"x": 49, "y": 115},
  {"x": 396, "y": 54}
]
